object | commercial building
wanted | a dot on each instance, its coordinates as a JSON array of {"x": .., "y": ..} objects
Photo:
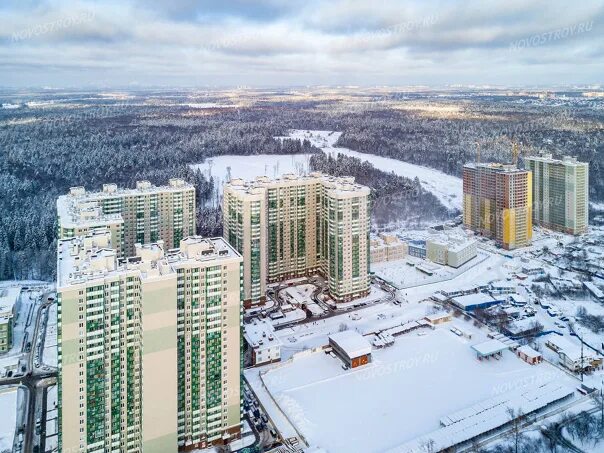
[
  {"x": 264, "y": 344},
  {"x": 572, "y": 356},
  {"x": 471, "y": 302},
  {"x": 8, "y": 301},
  {"x": 387, "y": 247},
  {"x": 498, "y": 203},
  {"x": 142, "y": 215},
  {"x": 560, "y": 193},
  {"x": 451, "y": 250},
  {"x": 149, "y": 346},
  {"x": 299, "y": 225},
  {"x": 352, "y": 347}
]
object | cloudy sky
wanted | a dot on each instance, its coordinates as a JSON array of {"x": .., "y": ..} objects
[{"x": 300, "y": 42}]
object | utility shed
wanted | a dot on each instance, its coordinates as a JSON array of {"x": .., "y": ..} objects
[
  {"x": 490, "y": 348},
  {"x": 353, "y": 348}
]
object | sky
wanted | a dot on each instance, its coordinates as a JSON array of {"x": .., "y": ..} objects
[{"x": 112, "y": 43}]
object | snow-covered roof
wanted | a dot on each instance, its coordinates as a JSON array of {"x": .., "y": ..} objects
[
  {"x": 529, "y": 352},
  {"x": 489, "y": 347},
  {"x": 8, "y": 298},
  {"x": 473, "y": 299},
  {"x": 352, "y": 343},
  {"x": 260, "y": 334},
  {"x": 570, "y": 350},
  {"x": 486, "y": 416}
]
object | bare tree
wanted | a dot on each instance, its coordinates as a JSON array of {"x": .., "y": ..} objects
[{"x": 516, "y": 419}]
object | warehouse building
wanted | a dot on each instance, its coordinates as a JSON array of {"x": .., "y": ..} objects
[{"x": 471, "y": 302}]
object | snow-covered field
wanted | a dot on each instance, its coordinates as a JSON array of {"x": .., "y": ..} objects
[
  {"x": 248, "y": 167},
  {"x": 447, "y": 188},
  {"x": 8, "y": 417},
  {"x": 402, "y": 275},
  {"x": 401, "y": 395}
]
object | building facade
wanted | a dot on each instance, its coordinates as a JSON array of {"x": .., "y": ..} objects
[
  {"x": 298, "y": 225},
  {"x": 142, "y": 215},
  {"x": 498, "y": 203},
  {"x": 115, "y": 395},
  {"x": 560, "y": 193},
  {"x": 9, "y": 298},
  {"x": 387, "y": 247},
  {"x": 149, "y": 346},
  {"x": 209, "y": 312},
  {"x": 451, "y": 250}
]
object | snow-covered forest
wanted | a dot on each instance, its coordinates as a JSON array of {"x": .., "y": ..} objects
[{"x": 51, "y": 140}]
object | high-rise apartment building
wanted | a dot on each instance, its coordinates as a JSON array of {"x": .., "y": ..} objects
[
  {"x": 210, "y": 316},
  {"x": 141, "y": 215},
  {"x": 498, "y": 203},
  {"x": 560, "y": 193},
  {"x": 298, "y": 225},
  {"x": 149, "y": 346},
  {"x": 117, "y": 344}
]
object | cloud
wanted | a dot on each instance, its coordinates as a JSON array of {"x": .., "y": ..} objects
[{"x": 282, "y": 42}]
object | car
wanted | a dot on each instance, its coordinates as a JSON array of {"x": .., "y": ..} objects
[{"x": 264, "y": 418}]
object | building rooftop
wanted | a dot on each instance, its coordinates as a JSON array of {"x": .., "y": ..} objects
[
  {"x": 529, "y": 352},
  {"x": 201, "y": 249},
  {"x": 8, "y": 298},
  {"x": 489, "y": 347},
  {"x": 473, "y": 299},
  {"x": 352, "y": 343},
  {"x": 91, "y": 257},
  {"x": 548, "y": 158},
  {"x": 260, "y": 334},
  {"x": 337, "y": 185},
  {"x": 82, "y": 208},
  {"x": 496, "y": 167}
]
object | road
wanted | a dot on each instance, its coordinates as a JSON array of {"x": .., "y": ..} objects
[{"x": 34, "y": 381}]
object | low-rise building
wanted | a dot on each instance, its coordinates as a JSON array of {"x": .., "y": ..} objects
[
  {"x": 529, "y": 355},
  {"x": 8, "y": 300},
  {"x": 352, "y": 347},
  {"x": 451, "y": 250},
  {"x": 572, "y": 356},
  {"x": 417, "y": 249},
  {"x": 438, "y": 318},
  {"x": 387, "y": 247},
  {"x": 471, "y": 302},
  {"x": 265, "y": 345}
]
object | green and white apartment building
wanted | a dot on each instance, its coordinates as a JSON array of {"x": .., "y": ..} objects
[
  {"x": 560, "y": 193},
  {"x": 149, "y": 346},
  {"x": 296, "y": 226},
  {"x": 142, "y": 215}
]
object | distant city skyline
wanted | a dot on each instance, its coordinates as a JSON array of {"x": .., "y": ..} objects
[{"x": 186, "y": 43}]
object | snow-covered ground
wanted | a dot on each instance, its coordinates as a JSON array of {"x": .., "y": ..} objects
[
  {"x": 401, "y": 395},
  {"x": 447, "y": 188},
  {"x": 8, "y": 417},
  {"x": 248, "y": 167},
  {"x": 402, "y": 275}
]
